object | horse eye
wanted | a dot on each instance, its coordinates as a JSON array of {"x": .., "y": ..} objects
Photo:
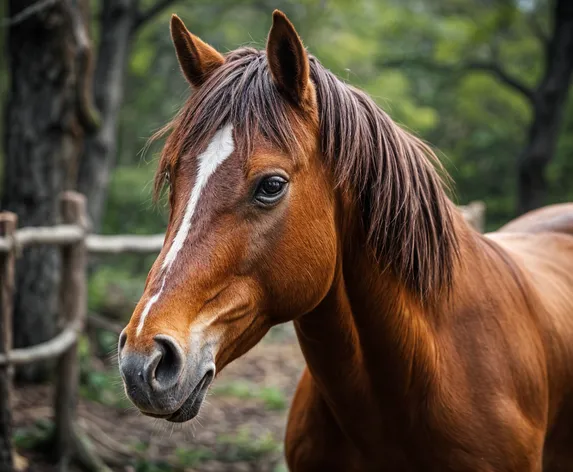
[{"x": 270, "y": 190}]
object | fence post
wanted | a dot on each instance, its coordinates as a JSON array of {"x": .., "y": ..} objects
[
  {"x": 8, "y": 223},
  {"x": 479, "y": 215},
  {"x": 73, "y": 303}
]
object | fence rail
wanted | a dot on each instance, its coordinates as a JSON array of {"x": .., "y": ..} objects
[
  {"x": 76, "y": 243},
  {"x": 71, "y": 234}
]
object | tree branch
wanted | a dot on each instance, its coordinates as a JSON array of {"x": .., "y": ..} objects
[
  {"x": 492, "y": 67},
  {"x": 96, "y": 321},
  {"x": 28, "y": 12},
  {"x": 537, "y": 30},
  {"x": 88, "y": 114},
  {"x": 144, "y": 16},
  {"x": 503, "y": 76}
]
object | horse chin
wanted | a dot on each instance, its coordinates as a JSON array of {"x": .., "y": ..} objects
[{"x": 191, "y": 406}]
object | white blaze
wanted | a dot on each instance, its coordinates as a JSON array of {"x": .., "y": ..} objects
[
  {"x": 150, "y": 303},
  {"x": 218, "y": 150}
]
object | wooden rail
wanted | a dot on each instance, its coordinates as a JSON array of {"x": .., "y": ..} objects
[
  {"x": 70, "y": 234},
  {"x": 76, "y": 244}
]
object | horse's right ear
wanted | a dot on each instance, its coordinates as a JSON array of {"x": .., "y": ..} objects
[{"x": 197, "y": 59}]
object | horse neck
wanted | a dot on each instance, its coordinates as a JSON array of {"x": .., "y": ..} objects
[{"x": 371, "y": 349}]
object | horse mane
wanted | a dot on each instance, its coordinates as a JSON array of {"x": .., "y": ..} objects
[{"x": 406, "y": 215}]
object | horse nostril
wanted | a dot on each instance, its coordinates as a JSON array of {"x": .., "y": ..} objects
[
  {"x": 156, "y": 372},
  {"x": 169, "y": 364}
]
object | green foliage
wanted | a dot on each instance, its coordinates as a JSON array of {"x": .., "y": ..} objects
[
  {"x": 116, "y": 282},
  {"x": 130, "y": 206},
  {"x": 113, "y": 280},
  {"x": 34, "y": 437},
  {"x": 477, "y": 123},
  {"x": 272, "y": 397},
  {"x": 101, "y": 385}
]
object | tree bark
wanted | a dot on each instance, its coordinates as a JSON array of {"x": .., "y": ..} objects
[
  {"x": 42, "y": 137},
  {"x": 117, "y": 19},
  {"x": 119, "y": 22},
  {"x": 549, "y": 100}
]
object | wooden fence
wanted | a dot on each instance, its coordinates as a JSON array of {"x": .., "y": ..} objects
[{"x": 75, "y": 242}]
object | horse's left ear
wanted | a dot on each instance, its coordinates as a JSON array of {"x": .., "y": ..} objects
[
  {"x": 196, "y": 58},
  {"x": 288, "y": 60}
]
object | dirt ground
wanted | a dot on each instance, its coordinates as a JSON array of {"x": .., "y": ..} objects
[{"x": 240, "y": 427}]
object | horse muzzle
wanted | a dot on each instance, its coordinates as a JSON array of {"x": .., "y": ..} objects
[{"x": 165, "y": 383}]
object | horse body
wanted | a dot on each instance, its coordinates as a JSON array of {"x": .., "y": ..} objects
[
  {"x": 294, "y": 197},
  {"x": 542, "y": 243},
  {"x": 478, "y": 386}
]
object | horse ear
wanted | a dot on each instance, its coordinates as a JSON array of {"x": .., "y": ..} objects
[
  {"x": 287, "y": 58},
  {"x": 197, "y": 59}
]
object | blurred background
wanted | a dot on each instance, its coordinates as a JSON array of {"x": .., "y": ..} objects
[{"x": 84, "y": 84}]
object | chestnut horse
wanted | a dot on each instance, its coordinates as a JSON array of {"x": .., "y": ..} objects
[{"x": 429, "y": 347}]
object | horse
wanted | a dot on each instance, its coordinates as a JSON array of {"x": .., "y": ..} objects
[{"x": 294, "y": 197}]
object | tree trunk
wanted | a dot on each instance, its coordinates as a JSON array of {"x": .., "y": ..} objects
[
  {"x": 117, "y": 22},
  {"x": 42, "y": 137},
  {"x": 549, "y": 102}
]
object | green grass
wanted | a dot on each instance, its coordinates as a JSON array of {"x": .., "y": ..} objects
[
  {"x": 281, "y": 467},
  {"x": 144, "y": 466},
  {"x": 272, "y": 397},
  {"x": 189, "y": 458},
  {"x": 34, "y": 437},
  {"x": 184, "y": 459},
  {"x": 244, "y": 446}
]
